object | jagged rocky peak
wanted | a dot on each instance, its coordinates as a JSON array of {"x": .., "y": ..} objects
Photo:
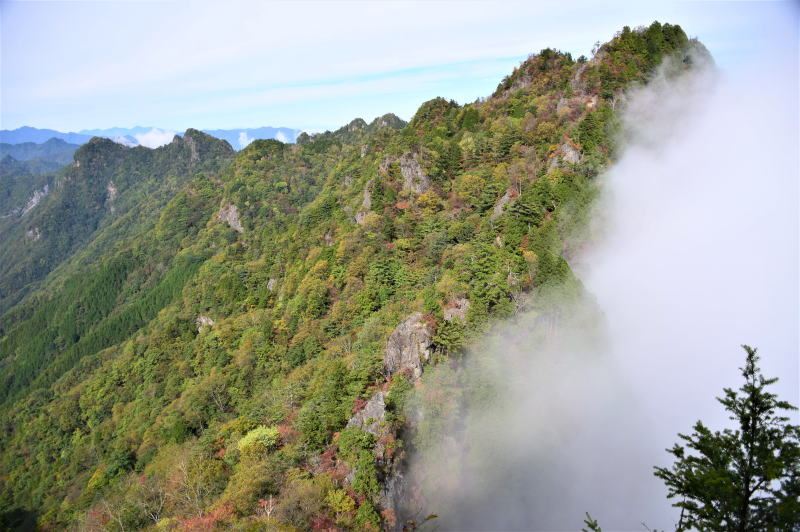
[
  {"x": 199, "y": 144},
  {"x": 198, "y": 138}
]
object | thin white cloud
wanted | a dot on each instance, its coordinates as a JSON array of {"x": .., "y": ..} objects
[
  {"x": 244, "y": 140},
  {"x": 328, "y": 46},
  {"x": 281, "y": 137},
  {"x": 155, "y": 137},
  {"x": 124, "y": 141}
]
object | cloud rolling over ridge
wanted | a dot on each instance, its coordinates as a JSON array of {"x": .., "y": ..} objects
[{"x": 695, "y": 251}]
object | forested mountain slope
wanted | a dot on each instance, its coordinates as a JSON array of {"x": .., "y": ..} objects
[
  {"x": 243, "y": 361},
  {"x": 106, "y": 184}
]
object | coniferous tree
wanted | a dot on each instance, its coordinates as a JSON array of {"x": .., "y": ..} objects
[{"x": 744, "y": 479}]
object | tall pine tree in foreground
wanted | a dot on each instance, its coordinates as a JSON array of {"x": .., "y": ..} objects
[{"x": 740, "y": 480}]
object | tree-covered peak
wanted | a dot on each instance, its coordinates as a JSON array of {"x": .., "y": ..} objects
[
  {"x": 99, "y": 151},
  {"x": 432, "y": 112},
  {"x": 356, "y": 124},
  {"x": 389, "y": 120}
]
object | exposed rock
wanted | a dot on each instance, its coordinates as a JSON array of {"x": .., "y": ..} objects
[
  {"x": 203, "y": 321},
  {"x": 229, "y": 214},
  {"x": 570, "y": 153},
  {"x": 522, "y": 82},
  {"x": 409, "y": 346},
  {"x": 367, "y": 201},
  {"x": 457, "y": 309},
  {"x": 33, "y": 234},
  {"x": 577, "y": 82},
  {"x": 361, "y": 216},
  {"x": 500, "y": 205},
  {"x": 393, "y": 494},
  {"x": 370, "y": 417},
  {"x": 364, "y": 149},
  {"x": 38, "y": 196},
  {"x": 271, "y": 284},
  {"x": 414, "y": 178},
  {"x": 111, "y": 195},
  {"x": 190, "y": 142},
  {"x": 347, "y": 180},
  {"x": 566, "y": 153},
  {"x": 328, "y": 237}
]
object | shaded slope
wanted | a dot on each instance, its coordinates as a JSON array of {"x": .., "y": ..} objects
[{"x": 103, "y": 184}]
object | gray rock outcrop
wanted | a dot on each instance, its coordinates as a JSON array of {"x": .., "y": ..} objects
[
  {"x": 229, "y": 214},
  {"x": 370, "y": 417},
  {"x": 498, "y": 208},
  {"x": 409, "y": 346},
  {"x": 35, "y": 199},
  {"x": 566, "y": 153},
  {"x": 414, "y": 179},
  {"x": 457, "y": 310},
  {"x": 202, "y": 322}
]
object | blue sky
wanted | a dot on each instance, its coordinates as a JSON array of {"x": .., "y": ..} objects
[{"x": 312, "y": 65}]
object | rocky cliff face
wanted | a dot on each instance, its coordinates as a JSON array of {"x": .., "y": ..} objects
[
  {"x": 370, "y": 418},
  {"x": 414, "y": 179},
  {"x": 229, "y": 214},
  {"x": 409, "y": 347}
]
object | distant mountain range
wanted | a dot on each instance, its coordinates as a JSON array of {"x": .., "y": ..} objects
[
  {"x": 39, "y": 136},
  {"x": 139, "y": 135}
]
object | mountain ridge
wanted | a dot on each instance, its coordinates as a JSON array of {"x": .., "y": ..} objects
[
  {"x": 248, "y": 347},
  {"x": 128, "y": 136}
]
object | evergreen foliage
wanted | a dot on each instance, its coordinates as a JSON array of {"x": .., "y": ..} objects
[{"x": 742, "y": 479}]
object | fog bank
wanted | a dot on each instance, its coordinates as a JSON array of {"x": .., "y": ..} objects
[{"x": 695, "y": 251}]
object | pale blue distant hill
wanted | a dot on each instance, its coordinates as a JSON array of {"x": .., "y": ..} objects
[
  {"x": 39, "y": 136},
  {"x": 54, "y": 150},
  {"x": 239, "y": 138}
]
